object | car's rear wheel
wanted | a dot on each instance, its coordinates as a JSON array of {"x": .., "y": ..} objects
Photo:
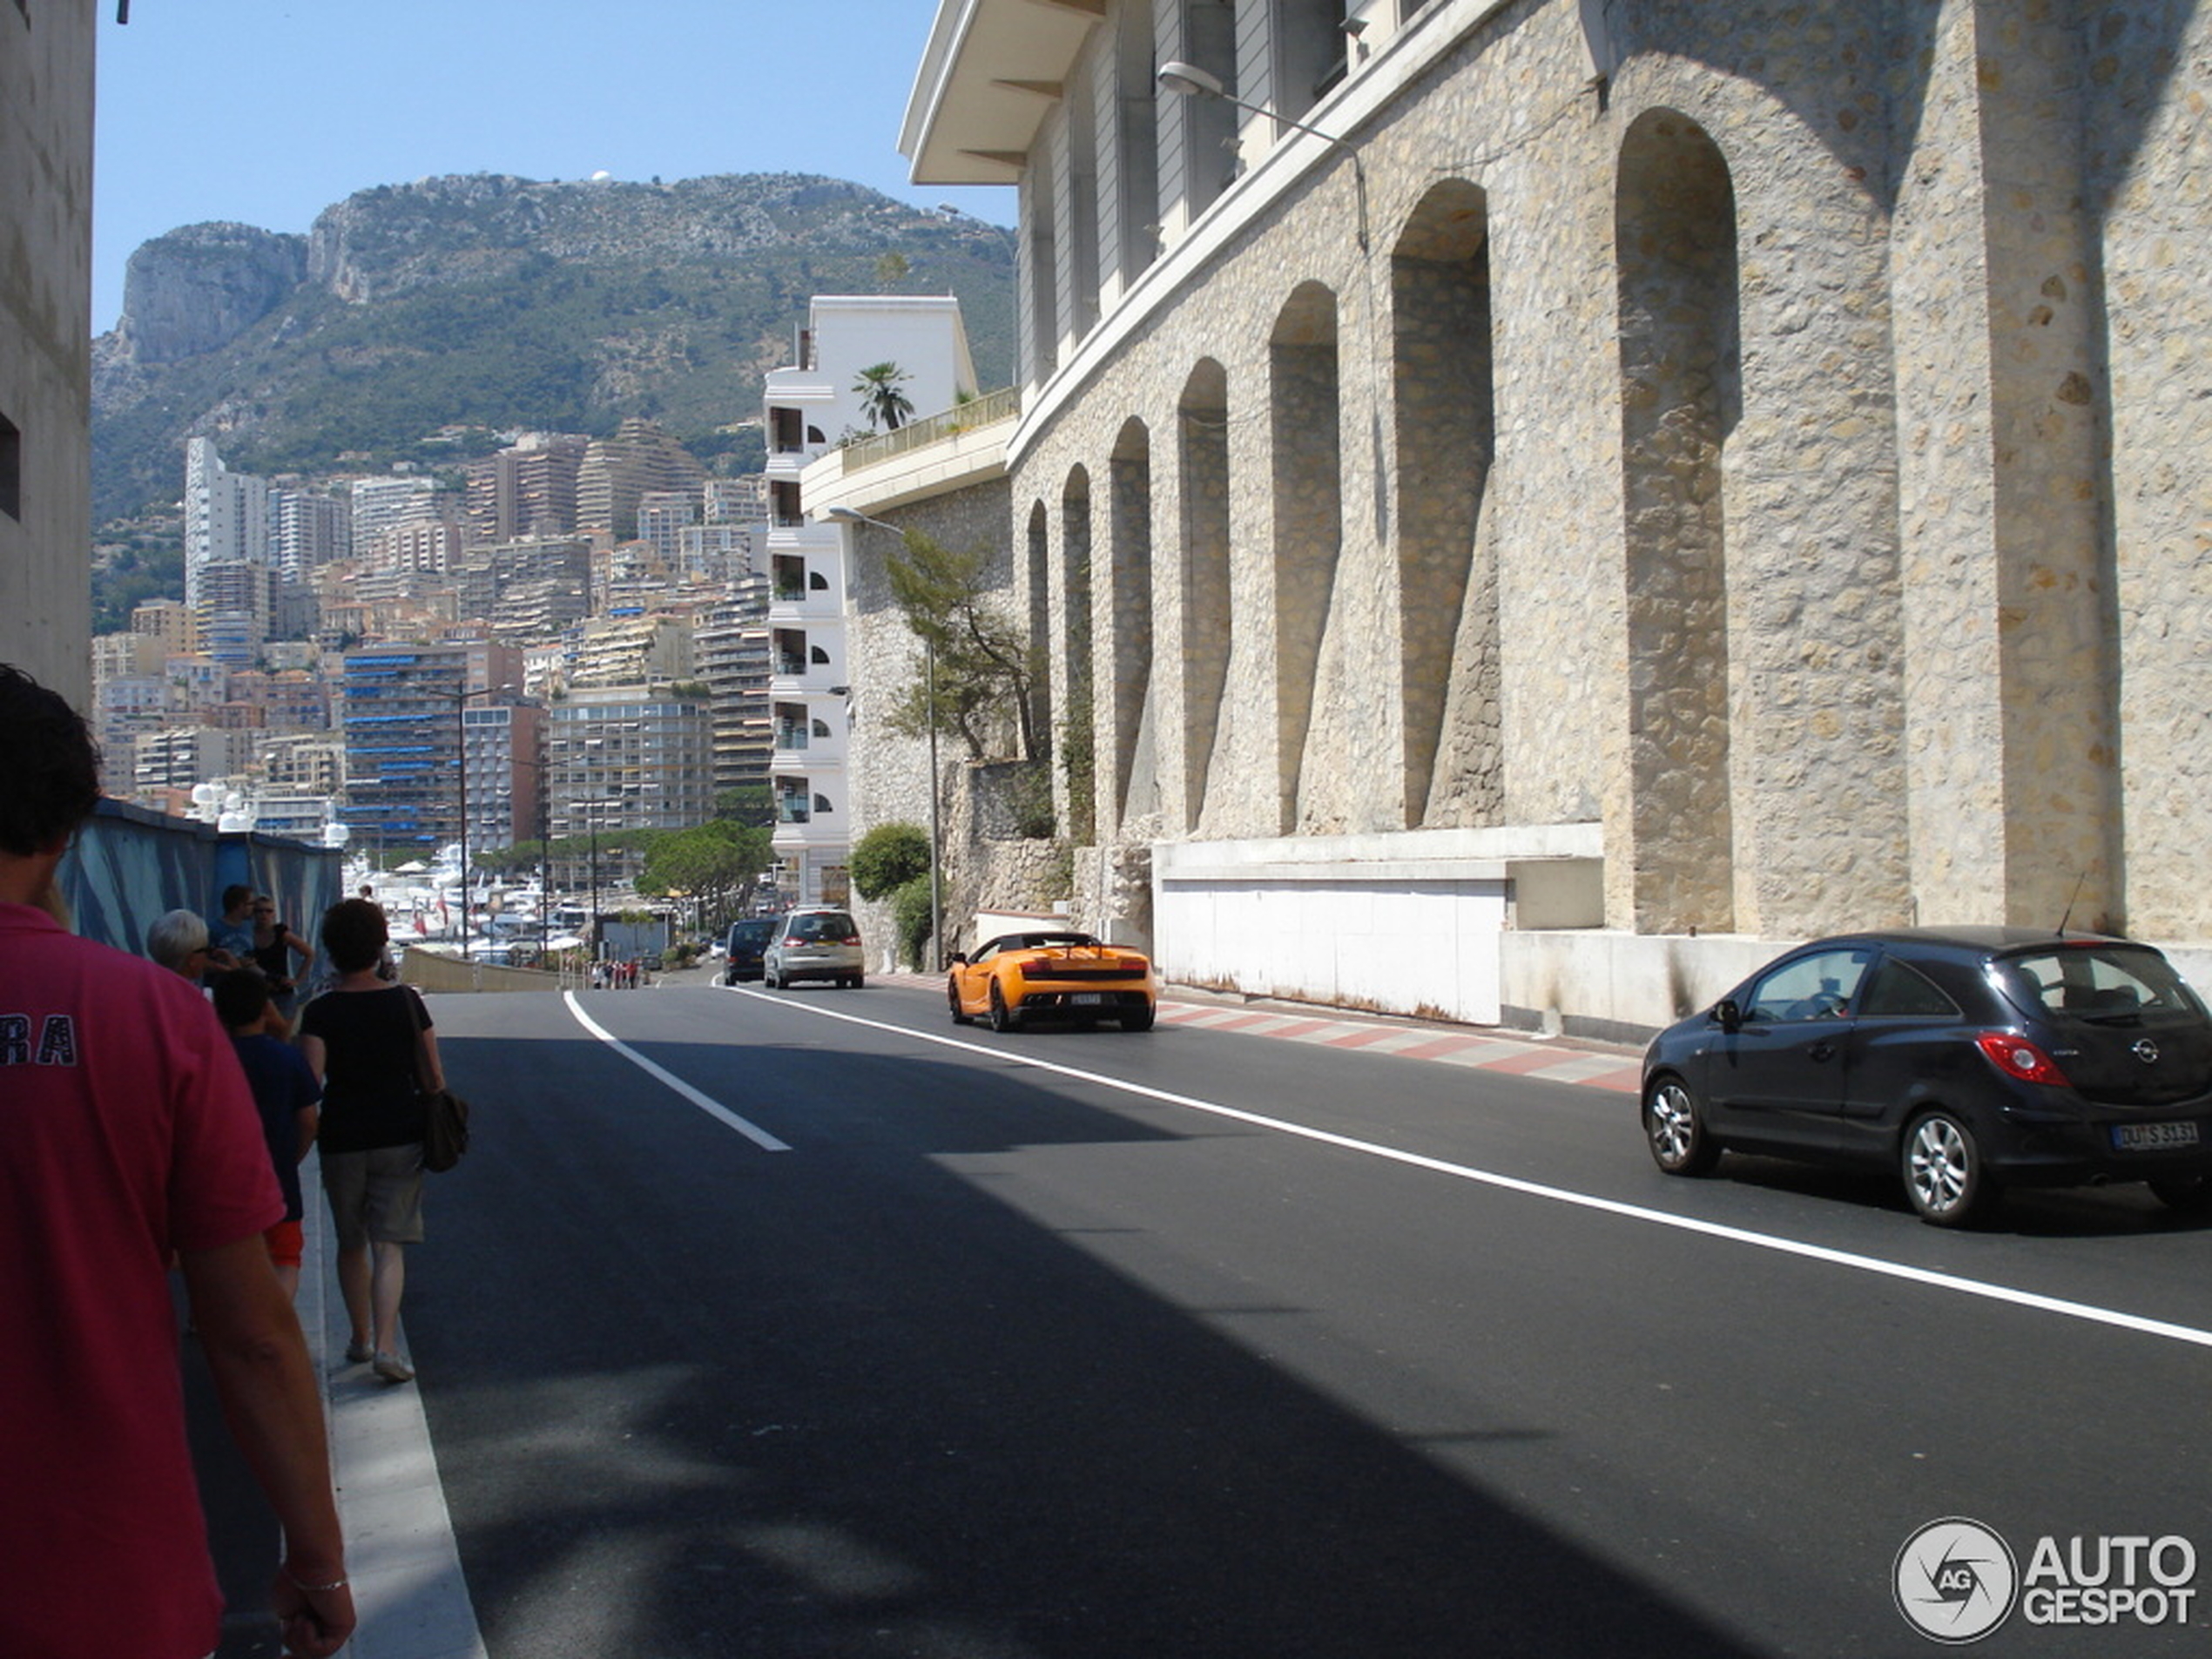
[
  {"x": 1138, "y": 1019},
  {"x": 1944, "y": 1175},
  {"x": 1673, "y": 1128},
  {"x": 2190, "y": 1194},
  {"x": 960, "y": 1017},
  {"x": 857, "y": 980},
  {"x": 1002, "y": 1017}
]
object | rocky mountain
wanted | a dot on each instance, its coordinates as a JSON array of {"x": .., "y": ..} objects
[{"x": 413, "y": 311}]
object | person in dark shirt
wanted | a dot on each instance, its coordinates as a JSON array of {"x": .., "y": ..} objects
[
  {"x": 274, "y": 945},
  {"x": 371, "y": 1044},
  {"x": 285, "y": 1088}
]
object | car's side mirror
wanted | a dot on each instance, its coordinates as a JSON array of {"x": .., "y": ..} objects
[
  {"x": 956, "y": 959},
  {"x": 1729, "y": 1015}
]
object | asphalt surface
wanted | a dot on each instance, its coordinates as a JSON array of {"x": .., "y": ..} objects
[{"x": 1204, "y": 1343}]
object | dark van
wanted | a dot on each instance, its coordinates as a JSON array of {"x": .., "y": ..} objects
[{"x": 747, "y": 940}]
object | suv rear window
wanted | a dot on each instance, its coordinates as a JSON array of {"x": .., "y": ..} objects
[
  {"x": 825, "y": 924},
  {"x": 2096, "y": 982}
]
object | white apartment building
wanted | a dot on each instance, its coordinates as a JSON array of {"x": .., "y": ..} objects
[
  {"x": 226, "y": 544},
  {"x": 808, "y": 406}
]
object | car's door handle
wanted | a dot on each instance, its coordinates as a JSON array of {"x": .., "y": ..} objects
[{"x": 1823, "y": 1050}]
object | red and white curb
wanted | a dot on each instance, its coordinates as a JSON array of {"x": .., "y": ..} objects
[{"x": 1545, "y": 1060}]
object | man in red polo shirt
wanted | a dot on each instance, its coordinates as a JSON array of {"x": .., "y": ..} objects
[{"x": 126, "y": 1132}]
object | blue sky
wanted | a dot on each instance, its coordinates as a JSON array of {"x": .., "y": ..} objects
[{"x": 267, "y": 112}]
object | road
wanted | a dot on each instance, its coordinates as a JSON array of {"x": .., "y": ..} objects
[{"x": 1188, "y": 1346}]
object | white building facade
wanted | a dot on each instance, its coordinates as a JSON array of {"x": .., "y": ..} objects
[{"x": 808, "y": 406}]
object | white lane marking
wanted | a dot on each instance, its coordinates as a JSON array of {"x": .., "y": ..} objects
[
  {"x": 1875, "y": 1264},
  {"x": 707, "y": 1104}
]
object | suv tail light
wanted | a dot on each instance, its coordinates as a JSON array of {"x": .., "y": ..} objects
[{"x": 2016, "y": 1057}]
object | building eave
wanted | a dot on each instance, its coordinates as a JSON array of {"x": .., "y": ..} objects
[{"x": 990, "y": 72}]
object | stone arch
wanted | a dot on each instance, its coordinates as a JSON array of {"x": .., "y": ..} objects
[
  {"x": 1681, "y": 395},
  {"x": 1077, "y": 740},
  {"x": 1201, "y": 462},
  {"x": 1037, "y": 581},
  {"x": 1304, "y": 407},
  {"x": 1128, "y": 622},
  {"x": 1443, "y": 403}
]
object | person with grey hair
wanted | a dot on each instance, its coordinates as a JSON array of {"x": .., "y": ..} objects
[{"x": 179, "y": 942}]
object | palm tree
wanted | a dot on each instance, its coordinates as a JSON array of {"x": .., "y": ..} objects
[{"x": 885, "y": 404}]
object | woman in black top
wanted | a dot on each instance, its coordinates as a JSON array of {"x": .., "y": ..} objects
[{"x": 371, "y": 1044}]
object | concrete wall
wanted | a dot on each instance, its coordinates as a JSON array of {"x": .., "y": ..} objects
[{"x": 46, "y": 343}]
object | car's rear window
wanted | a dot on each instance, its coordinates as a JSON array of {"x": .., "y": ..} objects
[
  {"x": 753, "y": 933},
  {"x": 831, "y": 924},
  {"x": 2096, "y": 982}
]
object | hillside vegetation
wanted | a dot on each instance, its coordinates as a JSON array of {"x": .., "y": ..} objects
[{"x": 493, "y": 304}]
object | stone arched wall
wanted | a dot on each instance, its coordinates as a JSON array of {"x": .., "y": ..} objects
[
  {"x": 1207, "y": 616},
  {"x": 1443, "y": 399},
  {"x": 1674, "y": 230},
  {"x": 1305, "y": 410}
]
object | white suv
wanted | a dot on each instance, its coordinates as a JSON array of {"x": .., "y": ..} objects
[{"x": 814, "y": 944}]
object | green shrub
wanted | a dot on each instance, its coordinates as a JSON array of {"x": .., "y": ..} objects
[
  {"x": 910, "y": 917},
  {"x": 889, "y": 857}
]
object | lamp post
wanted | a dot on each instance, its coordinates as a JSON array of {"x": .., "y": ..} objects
[
  {"x": 1188, "y": 80},
  {"x": 853, "y": 516}
]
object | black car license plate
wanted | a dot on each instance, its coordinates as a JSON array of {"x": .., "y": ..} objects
[{"x": 2152, "y": 1137}]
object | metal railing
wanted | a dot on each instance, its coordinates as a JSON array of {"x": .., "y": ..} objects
[{"x": 1003, "y": 405}]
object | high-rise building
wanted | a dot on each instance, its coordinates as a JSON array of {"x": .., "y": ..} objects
[
  {"x": 628, "y": 758},
  {"x": 226, "y": 537},
  {"x": 309, "y": 531},
  {"x": 527, "y": 489},
  {"x": 380, "y": 504},
  {"x": 403, "y": 744},
  {"x": 731, "y": 643},
  {"x": 641, "y": 458},
  {"x": 502, "y": 759},
  {"x": 168, "y": 620}
]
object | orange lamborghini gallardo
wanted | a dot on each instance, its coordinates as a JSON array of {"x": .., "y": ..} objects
[{"x": 1018, "y": 977}]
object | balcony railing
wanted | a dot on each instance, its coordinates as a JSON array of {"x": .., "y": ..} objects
[{"x": 1003, "y": 405}]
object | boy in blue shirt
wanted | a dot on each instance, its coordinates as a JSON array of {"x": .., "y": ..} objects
[{"x": 286, "y": 1090}]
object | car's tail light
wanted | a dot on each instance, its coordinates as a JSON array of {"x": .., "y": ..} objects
[
  {"x": 2016, "y": 1057},
  {"x": 852, "y": 939}
]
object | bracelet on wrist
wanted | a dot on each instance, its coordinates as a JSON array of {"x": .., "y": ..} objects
[{"x": 335, "y": 1585}]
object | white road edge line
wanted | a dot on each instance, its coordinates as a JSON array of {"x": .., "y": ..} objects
[
  {"x": 1982, "y": 1288},
  {"x": 707, "y": 1104}
]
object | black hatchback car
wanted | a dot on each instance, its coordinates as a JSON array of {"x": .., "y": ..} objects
[{"x": 1968, "y": 1059}]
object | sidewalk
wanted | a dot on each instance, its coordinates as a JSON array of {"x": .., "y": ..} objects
[{"x": 400, "y": 1554}]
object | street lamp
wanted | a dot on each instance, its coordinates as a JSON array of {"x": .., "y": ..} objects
[
  {"x": 1188, "y": 80},
  {"x": 853, "y": 515}
]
